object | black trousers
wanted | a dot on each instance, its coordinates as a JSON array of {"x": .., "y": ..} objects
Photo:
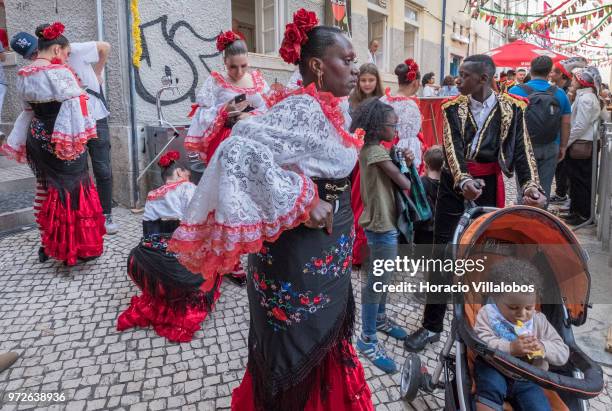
[
  {"x": 100, "y": 153},
  {"x": 561, "y": 178},
  {"x": 580, "y": 172},
  {"x": 450, "y": 206}
]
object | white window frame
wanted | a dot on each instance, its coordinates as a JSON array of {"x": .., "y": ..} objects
[
  {"x": 279, "y": 25},
  {"x": 386, "y": 37},
  {"x": 415, "y": 24}
]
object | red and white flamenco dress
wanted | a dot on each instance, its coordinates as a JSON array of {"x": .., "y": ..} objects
[
  {"x": 409, "y": 136},
  {"x": 51, "y": 134},
  {"x": 173, "y": 300},
  {"x": 256, "y": 192}
]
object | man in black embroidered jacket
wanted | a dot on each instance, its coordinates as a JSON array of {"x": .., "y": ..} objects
[{"x": 484, "y": 136}]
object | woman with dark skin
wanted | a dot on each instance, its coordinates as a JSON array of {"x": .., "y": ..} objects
[{"x": 279, "y": 190}]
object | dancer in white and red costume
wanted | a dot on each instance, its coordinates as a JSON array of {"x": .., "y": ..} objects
[
  {"x": 51, "y": 135},
  {"x": 171, "y": 301}
]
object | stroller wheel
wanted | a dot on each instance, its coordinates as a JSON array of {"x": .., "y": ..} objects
[{"x": 410, "y": 377}]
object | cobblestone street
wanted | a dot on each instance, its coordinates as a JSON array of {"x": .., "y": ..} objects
[{"x": 62, "y": 322}]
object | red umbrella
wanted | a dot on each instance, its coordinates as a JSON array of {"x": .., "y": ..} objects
[{"x": 519, "y": 53}]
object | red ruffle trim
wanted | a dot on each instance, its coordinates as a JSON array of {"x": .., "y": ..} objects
[
  {"x": 69, "y": 234},
  {"x": 145, "y": 311},
  {"x": 330, "y": 105},
  {"x": 340, "y": 387},
  {"x": 211, "y": 247},
  {"x": 216, "y": 133},
  {"x": 258, "y": 83},
  {"x": 163, "y": 190},
  {"x": 70, "y": 146},
  {"x": 10, "y": 152}
]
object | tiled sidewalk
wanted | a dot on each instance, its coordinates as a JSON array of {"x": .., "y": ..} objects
[{"x": 62, "y": 322}]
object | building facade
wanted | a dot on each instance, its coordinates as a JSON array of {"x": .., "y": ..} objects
[{"x": 178, "y": 42}]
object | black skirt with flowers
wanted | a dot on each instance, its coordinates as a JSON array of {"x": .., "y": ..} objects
[{"x": 301, "y": 306}]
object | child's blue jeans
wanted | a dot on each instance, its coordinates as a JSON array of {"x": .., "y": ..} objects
[
  {"x": 383, "y": 246},
  {"x": 493, "y": 388}
]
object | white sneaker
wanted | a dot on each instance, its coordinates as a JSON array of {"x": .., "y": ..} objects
[{"x": 111, "y": 228}]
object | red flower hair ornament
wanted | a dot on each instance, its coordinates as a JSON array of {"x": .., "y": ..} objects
[
  {"x": 296, "y": 34},
  {"x": 225, "y": 39},
  {"x": 168, "y": 159},
  {"x": 413, "y": 69},
  {"x": 53, "y": 31}
]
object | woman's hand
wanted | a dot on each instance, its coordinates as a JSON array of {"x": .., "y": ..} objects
[
  {"x": 321, "y": 216},
  {"x": 409, "y": 157}
]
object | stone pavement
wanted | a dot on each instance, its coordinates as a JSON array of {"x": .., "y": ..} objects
[{"x": 62, "y": 322}]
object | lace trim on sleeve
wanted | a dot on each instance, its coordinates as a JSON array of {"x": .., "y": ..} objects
[{"x": 213, "y": 247}]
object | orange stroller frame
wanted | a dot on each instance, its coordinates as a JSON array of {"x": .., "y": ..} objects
[{"x": 567, "y": 387}]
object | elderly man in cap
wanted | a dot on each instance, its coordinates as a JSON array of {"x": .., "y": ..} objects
[{"x": 87, "y": 60}]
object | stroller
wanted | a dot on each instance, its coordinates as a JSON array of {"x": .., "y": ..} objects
[{"x": 567, "y": 387}]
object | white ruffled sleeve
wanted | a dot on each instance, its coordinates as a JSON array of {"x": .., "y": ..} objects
[
  {"x": 208, "y": 119},
  {"x": 14, "y": 148},
  {"x": 74, "y": 125},
  {"x": 408, "y": 128},
  {"x": 254, "y": 187}
]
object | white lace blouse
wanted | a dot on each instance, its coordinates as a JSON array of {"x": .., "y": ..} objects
[
  {"x": 209, "y": 116},
  {"x": 258, "y": 183},
  {"x": 169, "y": 202},
  {"x": 74, "y": 125},
  {"x": 409, "y": 123}
]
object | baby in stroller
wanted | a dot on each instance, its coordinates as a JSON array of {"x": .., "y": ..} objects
[{"x": 510, "y": 323}]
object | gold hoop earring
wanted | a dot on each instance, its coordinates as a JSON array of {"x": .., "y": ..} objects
[{"x": 320, "y": 80}]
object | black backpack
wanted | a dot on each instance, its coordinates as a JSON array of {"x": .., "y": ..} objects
[{"x": 543, "y": 114}]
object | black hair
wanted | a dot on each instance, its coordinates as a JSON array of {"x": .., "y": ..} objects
[
  {"x": 44, "y": 44},
  {"x": 371, "y": 115},
  {"x": 541, "y": 66},
  {"x": 401, "y": 70},
  {"x": 515, "y": 270},
  {"x": 237, "y": 48},
  {"x": 448, "y": 81},
  {"x": 483, "y": 63},
  {"x": 527, "y": 78},
  {"x": 434, "y": 158},
  {"x": 166, "y": 172},
  {"x": 319, "y": 39},
  {"x": 427, "y": 77}
]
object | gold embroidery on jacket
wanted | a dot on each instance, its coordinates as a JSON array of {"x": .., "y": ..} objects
[{"x": 482, "y": 132}]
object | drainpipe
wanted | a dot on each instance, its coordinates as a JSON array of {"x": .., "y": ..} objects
[
  {"x": 132, "y": 95},
  {"x": 442, "y": 53}
]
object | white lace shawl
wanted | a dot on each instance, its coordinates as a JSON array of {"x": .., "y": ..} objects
[
  {"x": 257, "y": 183},
  {"x": 169, "y": 202},
  {"x": 211, "y": 98},
  {"x": 409, "y": 124},
  {"x": 294, "y": 79},
  {"x": 74, "y": 125}
]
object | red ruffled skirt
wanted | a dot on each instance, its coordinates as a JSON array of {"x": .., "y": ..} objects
[
  {"x": 68, "y": 234},
  {"x": 175, "y": 325},
  {"x": 346, "y": 388},
  {"x": 210, "y": 146}
]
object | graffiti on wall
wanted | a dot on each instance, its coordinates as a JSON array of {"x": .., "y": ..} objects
[{"x": 178, "y": 51}]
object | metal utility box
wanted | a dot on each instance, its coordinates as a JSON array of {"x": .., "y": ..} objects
[{"x": 156, "y": 137}]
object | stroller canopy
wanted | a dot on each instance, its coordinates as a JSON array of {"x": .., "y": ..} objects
[{"x": 524, "y": 225}]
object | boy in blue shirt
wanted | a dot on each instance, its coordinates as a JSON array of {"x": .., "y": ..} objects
[{"x": 547, "y": 153}]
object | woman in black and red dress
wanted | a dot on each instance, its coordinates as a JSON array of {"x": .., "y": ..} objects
[
  {"x": 279, "y": 189},
  {"x": 51, "y": 134}
]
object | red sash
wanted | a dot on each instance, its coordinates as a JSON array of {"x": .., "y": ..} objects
[{"x": 487, "y": 169}]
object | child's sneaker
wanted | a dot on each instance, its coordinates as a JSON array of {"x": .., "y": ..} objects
[
  {"x": 376, "y": 353},
  {"x": 391, "y": 328}
]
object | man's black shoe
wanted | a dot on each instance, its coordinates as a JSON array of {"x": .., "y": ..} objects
[
  {"x": 416, "y": 341},
  {"x": 575, "y": 219}
]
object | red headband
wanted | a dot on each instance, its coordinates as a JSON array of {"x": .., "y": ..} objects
[
  {"x": 225, "y": 39},
  {"x": 563, "y": 70},
  {"x": 413, "y": 69},
  {"x": 168, "y": 159},
  {"x": 296, "y": 34},
  {"x": 53, "y": 31},
  {"x": 583, "y": 82}
]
